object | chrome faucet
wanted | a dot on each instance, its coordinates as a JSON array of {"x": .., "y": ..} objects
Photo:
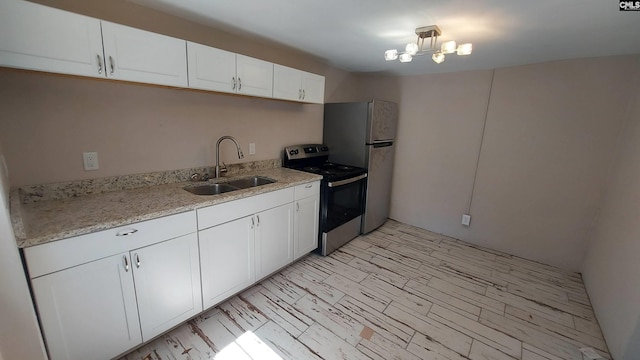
[{"x": 224, "y": 168}]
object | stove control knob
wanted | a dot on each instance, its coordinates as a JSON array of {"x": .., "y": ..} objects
[{"x": 324, "y": 148}]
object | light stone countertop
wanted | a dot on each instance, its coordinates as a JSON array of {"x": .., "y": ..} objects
[{"x": 49, "y": 220}]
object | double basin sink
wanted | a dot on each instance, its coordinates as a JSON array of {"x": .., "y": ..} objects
[{"x": 228, "y": 186}]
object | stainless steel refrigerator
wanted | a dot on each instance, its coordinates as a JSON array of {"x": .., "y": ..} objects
[{"x": 363, "y": 134}]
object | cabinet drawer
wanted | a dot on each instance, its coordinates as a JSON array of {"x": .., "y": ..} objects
[
  {"x": 306, "y": 190},
  {"x": 219, "y": 214},
  {"x": 62, "y": 254}
]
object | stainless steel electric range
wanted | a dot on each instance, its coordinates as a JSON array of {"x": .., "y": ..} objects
[{"x": 342, "y": 194}]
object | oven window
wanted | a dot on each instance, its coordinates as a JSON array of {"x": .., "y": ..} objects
[{"x": 344, "y": 203}]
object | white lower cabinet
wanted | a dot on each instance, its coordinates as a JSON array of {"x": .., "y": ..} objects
[
  {"x": 306, "y": 226},
  {"x": 274, "y": 240},
  {"x": 227, "y": 259},
  {"x": 101, "y": 294},
  {"x": 129, "y": 285},
  {"x": 89, "y": 311},
  {"x": 167, "y": 279}
]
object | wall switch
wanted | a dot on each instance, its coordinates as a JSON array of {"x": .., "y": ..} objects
[
  {"x": 589, "y": 353},
  {"x": 466, "y": 219},
  {"x": 252, "y": 148},
  {"x": 90, "y": 160}
]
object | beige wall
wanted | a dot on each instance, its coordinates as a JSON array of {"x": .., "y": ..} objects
[
  {"x": 611, "y": 268},
  {"x": 550, "y": 133},
  {"x": 49, "y": 120}
]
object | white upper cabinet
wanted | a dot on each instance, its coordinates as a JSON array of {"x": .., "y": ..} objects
[
  {"x": 297, "y": 85},
  {"x": 219, "y": 70},
  {"x": 211, "y": 68},
  {"x": 142, "y": 56},
  {"x": 255, "y": 77},
  {"x": 37, "y": 37}
]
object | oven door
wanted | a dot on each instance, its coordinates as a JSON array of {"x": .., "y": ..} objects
[{"x": 342, "y": 202}]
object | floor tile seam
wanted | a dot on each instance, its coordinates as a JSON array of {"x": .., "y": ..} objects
[{"x": 563, "y": 337}]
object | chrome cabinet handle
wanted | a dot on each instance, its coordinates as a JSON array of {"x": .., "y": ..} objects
[
  {"x": 126, "y": 263},
  {"x": 303, "y": 94},
  {"x": 258, "y": 216},
  {"x": 99, "y": 64},
  {"x": 234, "y": 83},
  {"x": 308, "y": 186},
  {"x": 299, "y": 94},
  {"x": 137, "y": 260},
  {"x": 253, "y": 222},
  {"x": 111, "y": 64},
  {"x": 298, "y": 207},
  {"x": 126, "y": 232},
  {"x": 239, "y": 83}
]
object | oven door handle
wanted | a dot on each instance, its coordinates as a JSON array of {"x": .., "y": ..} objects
[{"x": 347, "y": 181}]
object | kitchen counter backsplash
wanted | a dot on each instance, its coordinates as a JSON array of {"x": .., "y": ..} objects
[{"x": 71, "y": 189}]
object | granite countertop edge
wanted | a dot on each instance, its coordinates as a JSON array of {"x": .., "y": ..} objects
[{"x": 53, "y": 220}]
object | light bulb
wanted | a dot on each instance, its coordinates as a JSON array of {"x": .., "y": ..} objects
[
  {"x": 405, "y": 57},
  {"x": 438, "y": 57},
  {"x": 448, "y": 47},
  {"x": 391, "y": 55},
  {"x": 411, "y": 49},
  {"x": 465, "y": 49}
]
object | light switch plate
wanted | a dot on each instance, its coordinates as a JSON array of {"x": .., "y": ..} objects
[
  {"x": 466, "y": 219},
  {"x": 252, "y": 148},
  {"x": 90, "y": 160}
]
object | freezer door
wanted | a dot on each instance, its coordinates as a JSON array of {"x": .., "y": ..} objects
[
  {"x": 378, "y": 196},
  {"x": 382, "y": 121}
]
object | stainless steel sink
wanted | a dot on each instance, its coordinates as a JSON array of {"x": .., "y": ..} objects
[
  {"x": 210, "y": 189},
  {"x": 249, "y": 182},
  {"x": 224, "y": 187}
]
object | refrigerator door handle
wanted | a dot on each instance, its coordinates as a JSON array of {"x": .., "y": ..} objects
[{"x": 379, "y": 144}]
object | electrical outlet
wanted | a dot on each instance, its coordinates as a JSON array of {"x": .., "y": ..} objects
[
  {"x": 90, "y": 160},
  {"x": 589, "y": 353},
  {"x": 466, "y": 219},
  {"x": 252, "y": 148}
]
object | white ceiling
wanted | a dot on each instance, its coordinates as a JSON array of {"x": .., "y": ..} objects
[{"x": 353, "y": 34}]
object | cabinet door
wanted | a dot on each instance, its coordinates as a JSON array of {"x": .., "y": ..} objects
[
  {"x": 306, "y": 226},
  {"x": 211, "y": 68},
  {"x": 274, "y": 239},
  {"x": 89, "y": 311},
  {"x": 37, "y": 37},
  {"x": 227, "y": 259},
  {"x": 167, "y": 278},
  {"x": 142, "y": 56},
  {"x": 313, "y": 88},
  {"x": 287, "y": 83},
  {"x": 255, "y": 77}
]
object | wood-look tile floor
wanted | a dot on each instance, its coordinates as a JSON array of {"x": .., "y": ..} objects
[{"x": 398, "y": 293}]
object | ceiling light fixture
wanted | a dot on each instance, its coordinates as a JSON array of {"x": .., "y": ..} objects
[{"x": 418, "y": 49}]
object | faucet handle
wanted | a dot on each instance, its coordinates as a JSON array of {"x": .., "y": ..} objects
[
  {"x": 223, "y": 168},
  {"x": 195, "y": 177}
]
